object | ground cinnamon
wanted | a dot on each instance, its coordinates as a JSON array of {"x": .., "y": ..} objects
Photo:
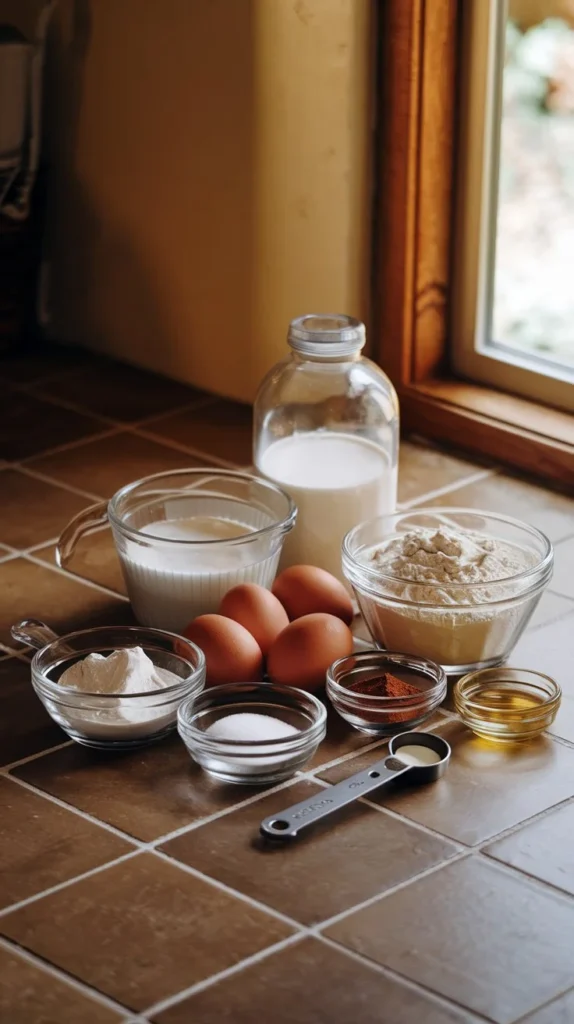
[{"x": 387, "y": 685}]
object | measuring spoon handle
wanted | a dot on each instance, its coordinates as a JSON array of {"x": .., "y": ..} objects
[{"x": 290, "y": 823}]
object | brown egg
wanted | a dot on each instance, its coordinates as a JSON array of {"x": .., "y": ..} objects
[
  {"x": 232, "y": 655},
  {"x": 304, "y": 589},
  {"x": 303, "y": 652},
  {"x": 258, "y": 610}
]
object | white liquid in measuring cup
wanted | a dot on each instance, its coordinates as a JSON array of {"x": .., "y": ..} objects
[
  {"x": 169, "y": 585},
  {"x": 336, "y": 481}
]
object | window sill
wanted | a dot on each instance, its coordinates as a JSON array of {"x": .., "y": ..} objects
[{"x": 514, "y": 431}]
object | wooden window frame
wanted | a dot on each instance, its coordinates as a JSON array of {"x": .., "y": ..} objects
[{"x": 412, "y": 281}]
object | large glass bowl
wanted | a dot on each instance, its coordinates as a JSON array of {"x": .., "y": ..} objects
[{"x": 463, "y": 627}]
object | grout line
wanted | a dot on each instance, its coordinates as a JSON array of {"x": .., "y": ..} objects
[
  {"x": 34, "y": 757},
  {"x": 392, "y": 975},
  {"x": 459, "y": 846},
  {"x": 201, "y": 402},
  {"x": 63, "y": 403},
  {"x": 185, "y": 449},
  {"x": 330, "y": 921},
  {"x": 44, "y": 478},
  {"x": 512, "y": 829},
  {"x": 193, "y": 403},
  {"x": 533, "y": 881},
  {"x": 382, "y": 741},
  {"x": 228, "y": 972},
  {"x": 68, "y": 445},
  {"x": 473, "y": 478},
  {"x": 549, "y": 1002},
  {"x": 11, "y": 946},
  {"x": 69, "y": 882},
  {"x": 77, "y": 579},
  {"x": 136, "y": 843},
  {"x": 263, "y": 908},
  {"x": 192, "y": 826},
  {"x": 12, "y": 652},
  {"x": 563, "y": 741}
]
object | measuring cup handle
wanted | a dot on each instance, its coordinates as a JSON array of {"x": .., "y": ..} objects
[
  {"x": 290, "y": 823},
  {"x": 33, "y": 632},
  {"x": 91, "y": 520}
]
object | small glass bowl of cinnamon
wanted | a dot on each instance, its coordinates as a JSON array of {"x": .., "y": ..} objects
[{"x": 383, "y": 692}]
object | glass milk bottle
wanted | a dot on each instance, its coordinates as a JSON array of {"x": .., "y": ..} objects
[{"x": 326, "y": 429}]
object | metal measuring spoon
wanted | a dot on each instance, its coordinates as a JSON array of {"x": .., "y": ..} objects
[{"x": 290, "y": 823}]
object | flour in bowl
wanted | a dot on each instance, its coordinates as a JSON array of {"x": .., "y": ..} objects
[{"x": 452, "y": 596}]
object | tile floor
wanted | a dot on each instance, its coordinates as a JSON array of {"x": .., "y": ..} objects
[{"x": 132, "y": 888}]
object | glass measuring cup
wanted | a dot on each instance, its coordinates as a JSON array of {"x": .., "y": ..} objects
[{"x": 172, "y": 578}]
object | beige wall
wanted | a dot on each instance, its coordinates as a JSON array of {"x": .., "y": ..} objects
[{"x": 211, "y": 177}]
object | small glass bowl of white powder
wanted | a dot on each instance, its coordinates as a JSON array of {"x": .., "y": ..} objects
[
  {"x": 117, "y": 687},
  {"x": 455, "y": 585},
  {"x": 252, "y": 733}
]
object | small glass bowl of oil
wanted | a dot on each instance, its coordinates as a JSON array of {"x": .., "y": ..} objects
[{"x": 509, "y": 705}]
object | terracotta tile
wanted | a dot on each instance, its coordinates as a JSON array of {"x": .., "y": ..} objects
[
  {"x": 120, "y": 392},
  {"x": 221, "y": 428},
  {"x": 560, "y": 1011},
  {"x": 146, "y": 793},
  {"x": 341, "y": 739},
  {"x": 549, "y": 649},
  {"x": 542, "y": 849},
  {"x": 95, "y": 558},
  {"x": 31, "y": 510},
  {"x": 29, "y": 425},
  {"x": 423, "y": 469},
  {"x": 25, "y": 727},
  {"x": 142, "y": 930},
  {"x": 484, "y": 790},
  {"x": 563, "y": 579},
  {"x": 29, "y": 995},
  {"x": 43, "y": 360},
  {"x": 311, "y": 983},
  {"x": 388, "y": 851},
  {"x": 466, "y": 932},
  {"x": 28, "y": 590},
  {"x": 550, "y": 512},
  {"x": 42, "y": 844},
  {"x": 102, "y": 467}
]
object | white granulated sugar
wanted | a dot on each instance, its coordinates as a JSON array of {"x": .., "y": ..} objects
[
  {"x": 450, "y": 576},
  {"x": 246, "y": 726}
]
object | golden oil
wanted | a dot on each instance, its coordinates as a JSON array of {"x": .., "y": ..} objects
[{"x": 506, "y": 709}]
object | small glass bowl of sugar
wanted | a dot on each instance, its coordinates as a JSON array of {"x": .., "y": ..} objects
[{"x": 252, "y": 733}]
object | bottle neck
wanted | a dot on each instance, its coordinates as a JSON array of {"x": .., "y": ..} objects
[{"x": 329, "y": 337}]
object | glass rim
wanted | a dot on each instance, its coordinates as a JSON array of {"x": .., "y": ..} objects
[
  {"x": 280, "y": 525},
  {"x": 193, "y": 732},
  {"x": 425, "y": 666},
  {"x": 544, "y": 564},
  {"x": 466, "y": 702},
  {"x": 345, "y": 337},
  {"x": 53, "y": 689}
]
